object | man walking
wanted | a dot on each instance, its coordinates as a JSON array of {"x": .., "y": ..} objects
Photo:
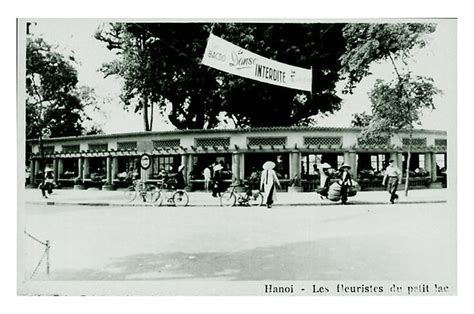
[{"x": 394, "y": 176}]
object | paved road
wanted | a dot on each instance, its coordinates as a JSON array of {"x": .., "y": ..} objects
[{"x": 375, "y": 242}]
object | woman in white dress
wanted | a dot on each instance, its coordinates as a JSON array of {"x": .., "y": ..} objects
[{"x": 268, "y": 180}]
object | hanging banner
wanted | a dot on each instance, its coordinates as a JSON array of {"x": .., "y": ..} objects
[{"x": 225, "y": 56}]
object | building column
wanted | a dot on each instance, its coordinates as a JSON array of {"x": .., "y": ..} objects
[
  {"x": 108, "y": 168},
  {"x": 55, "y": 169},
  {"x": 187, "y": 162},
  {"x": 60, "y": 167},
  {"x": 108, "y": 178},
  {"x": 242, "y": 167},
  {"x": 37, "y": 166},
  {"x": 32, "y": 171},
  {"x": 115, "y": 168},
  {"x": 236, "y": 167},
  {"x": 399, "y": 162},
  {"x": 85, "y": 168},
  {"x": 80, "y": 167},
  {"x": 295, "y": 164},
  {"x": 352, "y": 161},
  {"x": 428, "y": 166},
  {"x": 434, "y": 175}
]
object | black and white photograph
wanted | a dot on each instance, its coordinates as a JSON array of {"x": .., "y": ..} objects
[{"x": 269, "y": 157}]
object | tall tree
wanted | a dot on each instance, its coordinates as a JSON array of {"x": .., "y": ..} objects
[
  {"x": 54, "y": 103},
  {"x": 160, "y": 64},
  {"x": 397, "y": 104}
]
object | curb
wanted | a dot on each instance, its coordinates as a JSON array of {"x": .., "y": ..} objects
[{"x": 52, "y": 203}]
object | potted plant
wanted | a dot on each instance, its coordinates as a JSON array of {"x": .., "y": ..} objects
[{"x": 79, "y": 183}]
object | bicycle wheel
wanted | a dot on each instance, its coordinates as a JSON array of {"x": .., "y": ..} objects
[
  {"x": 180, "y": 198},
  {"x": 130, "y": 194},
  {"x": 228, "y": 199},
  {"x": 152, "y": 193},
  {"x": 256, "y": 199}
]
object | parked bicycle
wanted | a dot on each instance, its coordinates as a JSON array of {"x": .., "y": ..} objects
[
  {"x": 249, "y": 198},
  {"x": 171, "y": 196},
  {"x": 147, "y": 191}
]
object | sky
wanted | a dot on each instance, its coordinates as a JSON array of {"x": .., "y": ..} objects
[{"x": 76, "y": 36}]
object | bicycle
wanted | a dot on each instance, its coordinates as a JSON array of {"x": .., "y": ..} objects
[
  {"x": 176, "y": 197},
  {"x": 230, "y": 197},
  {"x": 149, "y": 192}
]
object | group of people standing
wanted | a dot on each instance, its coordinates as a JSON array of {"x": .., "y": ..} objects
[{"x": 391, "y": 179}]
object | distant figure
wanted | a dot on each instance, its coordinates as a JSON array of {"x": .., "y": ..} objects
[
  {"x": 177, "y": 180},
  {"x": 48, "y": 182},
  {"x": 217, "y": 180},
  {"x": 253, "y": 181},
  {"x": 345, "y": 181},
  {"x": 268, "y": 180},
  {"x": 394, "y": 175},
  {"x": 207, "y": 178}
]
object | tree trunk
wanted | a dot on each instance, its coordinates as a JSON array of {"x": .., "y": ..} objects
[
  {"x": 407, "y": 177},
  {"x": 145, "y": 113},
  {"x": 151, "y": 116},
  {"x": 42, "y": 163}
]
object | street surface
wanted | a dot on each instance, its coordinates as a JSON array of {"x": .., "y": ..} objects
[{"x": 352, "y": 242}]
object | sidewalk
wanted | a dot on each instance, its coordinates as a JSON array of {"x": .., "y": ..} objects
[{"x": 201, "y": 199}]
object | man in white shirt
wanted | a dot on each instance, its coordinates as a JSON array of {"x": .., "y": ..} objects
[{"x": 394, "y": 175}]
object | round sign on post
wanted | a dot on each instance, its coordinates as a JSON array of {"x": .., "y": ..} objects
[{"x": 145, "y": 161}]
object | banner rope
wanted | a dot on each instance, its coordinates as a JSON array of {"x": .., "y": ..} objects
[{"x": 45, "y": 253}]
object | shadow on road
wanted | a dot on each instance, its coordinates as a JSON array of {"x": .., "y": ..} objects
[{"x": 355, "y": 258}]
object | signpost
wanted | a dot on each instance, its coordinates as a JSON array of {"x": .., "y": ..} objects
[{"x": 145, "y": 161}]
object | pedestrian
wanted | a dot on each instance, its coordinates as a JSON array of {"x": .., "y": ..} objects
[
  {"x": 217, "y": 180},
  {"x": 207, "y": 178},
  {"x": 180, "y": 180},
  {"x": 268, "y": 180},
  {"x": 345, "y": 181},
  {"x": 48, "y": 182},
  {"x": 394, "y": 175},
  {"x": 324, "y": 179}
]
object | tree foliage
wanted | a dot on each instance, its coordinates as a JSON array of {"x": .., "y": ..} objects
[
  {"x": 54, "y": 103},
  {"x": 397, "y": 105},
  {"x": 360, "y": 120},
  {"x": 160, "y": 64},
  {"x": 369, "y": 43}
]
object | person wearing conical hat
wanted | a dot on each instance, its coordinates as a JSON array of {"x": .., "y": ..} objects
[
  {"x": 324, "y": 179},
  {"x": 345, "y": 181},
  {"x": 217, "y": 180},
  {"x": 48, "y": 182},
  {"x": 268, "y": 180}
]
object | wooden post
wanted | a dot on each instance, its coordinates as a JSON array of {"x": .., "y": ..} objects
[{"x": 47, "y": 256}]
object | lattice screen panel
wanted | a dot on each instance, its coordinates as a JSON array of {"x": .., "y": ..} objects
[
  {"x": 212, "y": 141},
  {"x": 71, "y": 148},
  {"x": 414, "y": 141},
  {"x": 266, "y": 141},
  {"x": 379, "y": 141},
  {"x": 99, "y": 147},
  {"x": 323, "y": 141},
  {"x": 166, "y": 143},
  {"x": 441, "y": 142},
  {"x": 127, "y": 145}
]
